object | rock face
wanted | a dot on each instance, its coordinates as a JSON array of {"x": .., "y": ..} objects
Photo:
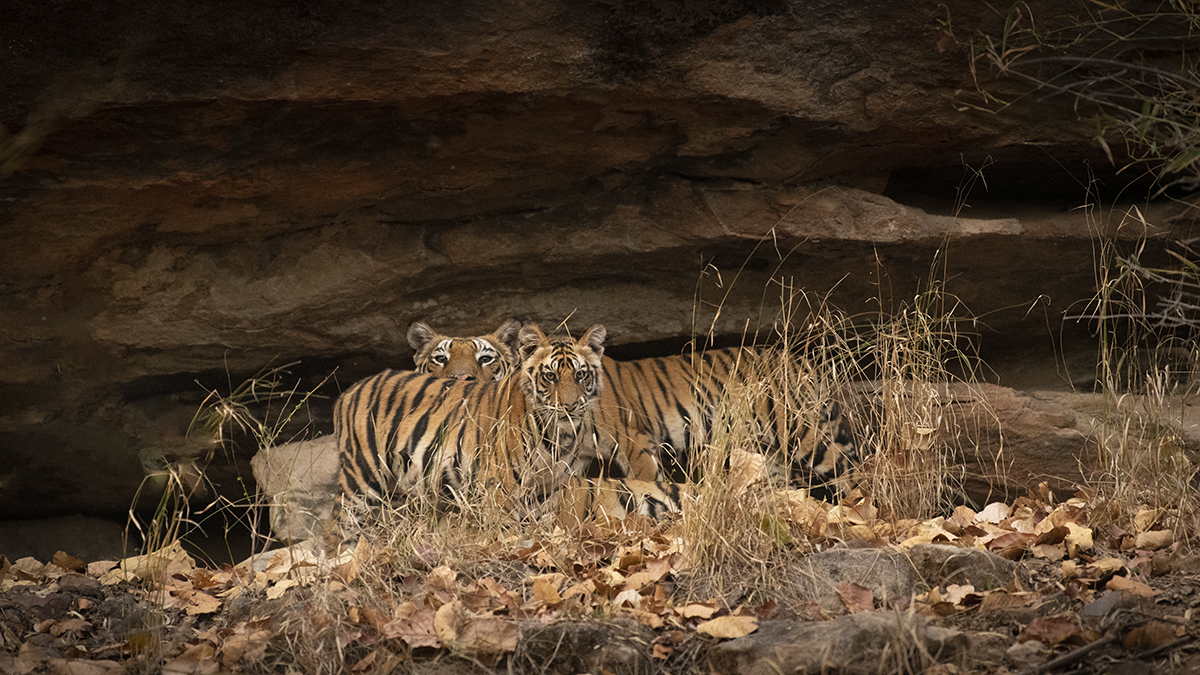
[{"x": 189, "y": 193}]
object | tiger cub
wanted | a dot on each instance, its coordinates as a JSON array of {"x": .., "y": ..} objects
[
  {"x": 626, "y": 451},
  {"x": 524, "y": 439},
  {"x": 486, "y": 357}
]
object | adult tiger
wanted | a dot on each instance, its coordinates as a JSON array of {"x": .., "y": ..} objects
[
  {"x": 524, "y": 439},
  {"x": 667, "y": 409},
  {"x": 485, "y": 357}
]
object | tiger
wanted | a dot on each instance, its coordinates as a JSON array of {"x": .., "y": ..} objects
[
  {"x": 526, "y": 438},
  {"x": 673, "y": 403},
  {"x": 485, "y": 357}
]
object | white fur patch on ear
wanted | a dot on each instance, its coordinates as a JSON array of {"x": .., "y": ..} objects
[
  {"x": 594, "y": 337},
  {"x": 419, "y": 334},
  {"x": 506, "y": 334},
  {"x": 530, "y": 337}
]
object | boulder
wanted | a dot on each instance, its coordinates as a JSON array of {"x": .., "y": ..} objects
[
  {"x": 299, "y": 483},
  {"x": 865, "y": 643}
]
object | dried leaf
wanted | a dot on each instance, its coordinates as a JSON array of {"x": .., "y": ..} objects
[
  {"x": 644, "y": 617},
  {"x": 1120, "y": 583},
  {"x": 1011, "y": 545},
  {"x": 997, "y": 600},
  {"x": 955, "y": 594},
  {"x": 170, "y": 561},
  {"x": 416, "y": 630},
  {"x": 928, "y": 532},
  {"x": 993, "y": 513},
  {"x": 487, "y": 636},
  {"x": 82, "y": 667},
  {"x": 1154, "y": 540},
  {"x": 1053, "y": 552},
  {"x": 245, "y": 643},
  {"x": 195, "y": 660},
  {"x": 277, "y": 589},
  {"x": 745, "y": 469},
  {"x": 943, "y": 609},
  {"x": 856, "y": 598},
  {"x": 1051, "y": 535},
  {"x": 1078, "y": 540},
  {"x": 630, "y": 598},
  {"x": 1105, "y": 565},
  {"x": 582, "y": 590},
  {"x": 1145, "y": 519},
  {"x": 74, "y": 626},
  {"x": 963, "y": 516},
  {"x": 653, "y": 571},
  {"x": 1152, "y": 635},
  {"x": 1049, "y": 630},
  {"x": 69, "y": 562},
  {"x": 196, "y": 602},
  {"x": 729, "y": 626},
  {"x": 449, "y": 620},
  {"x": 374, "y": 618},
  {"x": 696, "y": 610},
  {"x": 546, "y": 592}
]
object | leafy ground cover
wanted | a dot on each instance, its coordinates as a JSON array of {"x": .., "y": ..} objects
[{"x": 628, "y": 596}]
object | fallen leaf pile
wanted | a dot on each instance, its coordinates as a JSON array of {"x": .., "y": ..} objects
[{"x": 352, "y": 606}]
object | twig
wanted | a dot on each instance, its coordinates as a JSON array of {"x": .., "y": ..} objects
[{"x": 1072, "y": 656}]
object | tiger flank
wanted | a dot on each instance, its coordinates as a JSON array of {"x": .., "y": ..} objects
[
  {"x": 520, "y": 441},
  {"x": 770, "y": 400},
  {"x": 486, "y": 357}
]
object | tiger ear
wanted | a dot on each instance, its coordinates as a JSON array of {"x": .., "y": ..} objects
[
  {"x": 419, "y": 335},
  {"x": 529, "y": 338},
  {"x": 594, "y": 337},
  {"x": 506, "y": 334}
]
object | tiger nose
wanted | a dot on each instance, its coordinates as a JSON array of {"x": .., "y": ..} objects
[{"x": 464, "y": 377}]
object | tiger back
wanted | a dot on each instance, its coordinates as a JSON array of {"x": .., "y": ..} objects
[
  {"x": 405, "y": 434},
  {"x": 482, "y": 357},
  {"x": 682, "y": 403}
]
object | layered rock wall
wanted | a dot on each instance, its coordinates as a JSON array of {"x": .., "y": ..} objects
[{"x": 191, "y": 192}]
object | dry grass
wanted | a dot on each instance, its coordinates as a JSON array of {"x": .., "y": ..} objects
[
  {"x": 915, "y": 471},
  {"x": 186, "y": 504},
  {"x": 887, "y": 377},
  {"x": 1147, "y": 371},
  {"x": 1145, "y": 115},
  {"x": 1144, "y": 109}
]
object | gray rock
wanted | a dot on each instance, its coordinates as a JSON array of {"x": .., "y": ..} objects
[
  {"x": 299, "y": 483},
  {"x": 866, "y": 643}
]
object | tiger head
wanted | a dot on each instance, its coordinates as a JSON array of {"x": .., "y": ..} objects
[
  {"x": 485, "y": 357},
  {"x": 561, "y": 376}
]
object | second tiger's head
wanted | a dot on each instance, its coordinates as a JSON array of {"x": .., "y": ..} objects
[
  {"x": 562, "y": 374},
  {"x": 484, "y": 357}
]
